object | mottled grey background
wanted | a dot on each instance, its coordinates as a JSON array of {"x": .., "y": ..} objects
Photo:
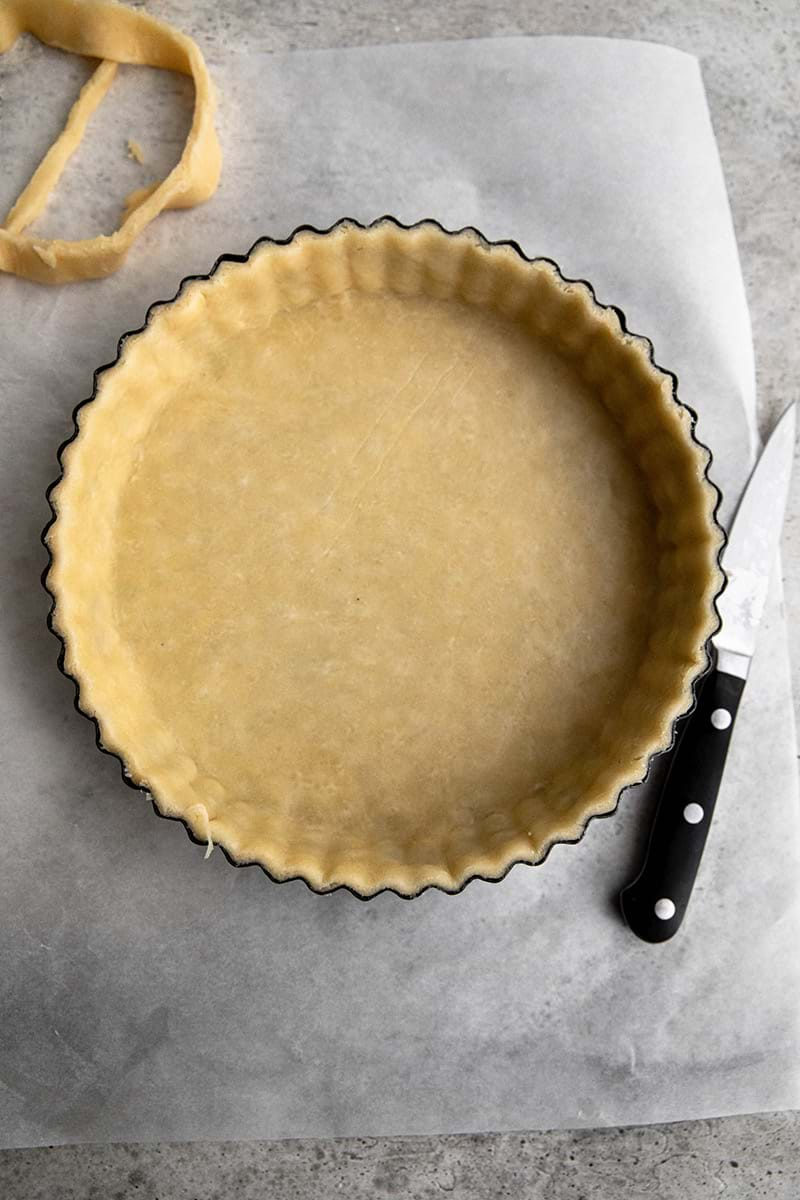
[{"x": 749, "y": 57}]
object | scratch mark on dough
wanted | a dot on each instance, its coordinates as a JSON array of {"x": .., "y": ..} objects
[
  {"x": 403, "y": 428},
  {"x": 464, "y": 382},
  {"x": 389, "y": 404}
]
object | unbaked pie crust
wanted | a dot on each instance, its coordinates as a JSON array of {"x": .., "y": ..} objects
[{"x": 384, "y": 558}]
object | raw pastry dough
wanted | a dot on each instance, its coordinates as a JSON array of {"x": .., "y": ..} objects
[
  {"x": 108, "y": 31},
  {"x": 388, "y": 549},
  {"x": 135, "y": 151}
]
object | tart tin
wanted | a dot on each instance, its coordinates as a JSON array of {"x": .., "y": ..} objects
[{"x": 243, "y": 258}]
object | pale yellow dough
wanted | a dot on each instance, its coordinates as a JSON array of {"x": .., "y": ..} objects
[
  {"x": 108, "y": 31},
  {"x": 135, "y": 151},
  {"x": 389, "y": 551}
]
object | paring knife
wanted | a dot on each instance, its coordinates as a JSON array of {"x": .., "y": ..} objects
[{"x": 654, "y": 905}]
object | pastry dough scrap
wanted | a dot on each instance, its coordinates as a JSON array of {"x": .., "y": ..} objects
[{"x": 107, "y": 31}]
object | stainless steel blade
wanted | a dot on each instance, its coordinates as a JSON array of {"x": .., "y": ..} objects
[{"x": 752, "y": 546}]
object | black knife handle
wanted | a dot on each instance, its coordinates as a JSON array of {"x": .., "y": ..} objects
[{"x": 655, "y": 904}]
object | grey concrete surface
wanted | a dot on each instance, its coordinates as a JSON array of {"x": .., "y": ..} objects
[
  {"x": 753, "y": 1157},
  {"x": 750, "y": 50}
]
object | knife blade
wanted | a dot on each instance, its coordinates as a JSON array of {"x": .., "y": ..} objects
[{"x": 655, "y": 903}]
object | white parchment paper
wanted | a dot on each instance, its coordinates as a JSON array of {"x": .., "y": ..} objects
[{"x": 147, "y": 994}]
